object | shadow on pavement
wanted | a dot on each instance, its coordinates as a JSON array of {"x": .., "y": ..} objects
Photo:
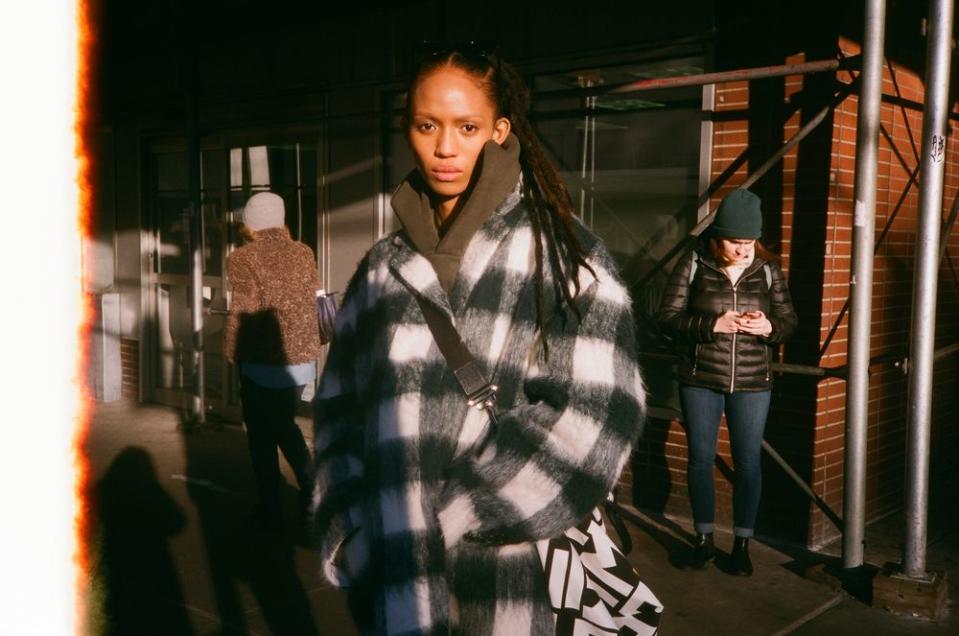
[
  {"x": 238, "y": 553},
  {"x": 135, "y": 575}
]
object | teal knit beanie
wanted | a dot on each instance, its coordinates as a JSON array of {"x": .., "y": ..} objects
[{"x": 739, "y": 216}]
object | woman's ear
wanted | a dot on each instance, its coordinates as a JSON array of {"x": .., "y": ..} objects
[{"x": 501, "y": 128}]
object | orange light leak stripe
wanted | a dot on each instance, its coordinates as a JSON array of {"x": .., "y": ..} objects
[
  {"x": 81, "y": 483},
  {"x": 43, "y": 320}
]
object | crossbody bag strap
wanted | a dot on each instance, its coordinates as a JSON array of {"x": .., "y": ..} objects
[{"x": 479, "y": 392}]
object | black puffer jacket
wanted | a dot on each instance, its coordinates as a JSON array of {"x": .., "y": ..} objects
[{"x": 689, "y": 310}]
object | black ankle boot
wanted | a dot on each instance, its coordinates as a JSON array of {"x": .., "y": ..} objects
[
  {"x": 742, "y": 565},
  {"x": 703, "y": 550}
]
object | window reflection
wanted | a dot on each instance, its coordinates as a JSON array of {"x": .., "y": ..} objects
[
  {"x": 631, "y": 162},
  {"x": 169, "y": 208},
  {"x": 259, "y": 167},
  {"x": 287, "y": 169},
  {"x": 213, "y": 235},
  {"x": 236, "y": 167}
]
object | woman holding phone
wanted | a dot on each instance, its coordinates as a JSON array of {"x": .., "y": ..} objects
[{"x": 728, "y": 306}]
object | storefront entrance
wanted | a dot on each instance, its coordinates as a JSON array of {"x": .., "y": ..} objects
[
  {"x": 230, "y": 172},
  {"x": 633, "y": 167}
]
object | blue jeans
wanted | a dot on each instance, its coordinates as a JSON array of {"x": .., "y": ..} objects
[{"x": 746, "y": 413}]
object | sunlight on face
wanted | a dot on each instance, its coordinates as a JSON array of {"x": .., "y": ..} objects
[
  {"x": 737, "y": 250},
  {"x": 451, "y": 118}
]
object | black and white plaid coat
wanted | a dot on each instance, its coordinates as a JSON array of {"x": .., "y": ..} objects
[{"x": 428, "y": 537}]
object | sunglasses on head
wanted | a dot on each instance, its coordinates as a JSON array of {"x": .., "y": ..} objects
[{"x": 471, "y": 50}]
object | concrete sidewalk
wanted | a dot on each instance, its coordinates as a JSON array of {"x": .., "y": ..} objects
[{"x": 175, "y": 556}]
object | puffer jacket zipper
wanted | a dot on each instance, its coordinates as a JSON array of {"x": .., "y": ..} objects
[
  {"x": 732, "y": 357},
  {"x": 733, "y": 360}
]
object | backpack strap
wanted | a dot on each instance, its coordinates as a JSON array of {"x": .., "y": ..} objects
[{"x": 767, "y": 270}]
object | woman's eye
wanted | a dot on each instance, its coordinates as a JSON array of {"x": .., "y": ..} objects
[{"x": 425, "y": 126}]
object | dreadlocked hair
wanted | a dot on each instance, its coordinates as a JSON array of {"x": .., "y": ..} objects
[{"x": 550, "y": 205}]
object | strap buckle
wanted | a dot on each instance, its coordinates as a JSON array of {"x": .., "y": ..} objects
[{"x": 480, "y": 394}]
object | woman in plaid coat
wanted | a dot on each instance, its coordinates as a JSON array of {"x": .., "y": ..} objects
[{"x": 429, "y": 535}]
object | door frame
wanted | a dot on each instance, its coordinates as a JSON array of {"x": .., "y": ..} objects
[{"x": 227, "y": 405}]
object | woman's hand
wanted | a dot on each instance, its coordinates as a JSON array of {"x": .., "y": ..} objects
[
  {"x": 755, "y": 323},
  {"x": 727, "y": 322}
]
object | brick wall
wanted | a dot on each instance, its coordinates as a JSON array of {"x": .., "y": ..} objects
[
  {"x": 130, "y": 361},
  {"x": 897, "y": 200},
  {"x": 809, "y": 205}
]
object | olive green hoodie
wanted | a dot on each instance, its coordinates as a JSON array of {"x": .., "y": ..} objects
[{"x": 495, "y": 176}]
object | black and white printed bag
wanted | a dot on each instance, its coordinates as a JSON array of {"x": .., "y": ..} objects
[{"x": 593, "y": 588}]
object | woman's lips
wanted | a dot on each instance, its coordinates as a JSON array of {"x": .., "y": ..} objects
[{"x": 446, "y": 173}]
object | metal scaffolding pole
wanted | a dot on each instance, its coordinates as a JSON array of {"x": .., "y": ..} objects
[
  {"x": 738, "y": 75},
  {"x": 860, "y": 285},
  {"x": 939, "y": 50}
]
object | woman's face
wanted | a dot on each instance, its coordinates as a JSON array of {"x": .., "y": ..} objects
[
  {"x": 736, "y": 250},
  {"x": 451, "y": 118}
]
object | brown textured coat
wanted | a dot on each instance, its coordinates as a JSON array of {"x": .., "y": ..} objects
[{"x": 273, "y": 313}]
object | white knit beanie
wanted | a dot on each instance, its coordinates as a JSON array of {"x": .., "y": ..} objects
[{"x": 264, "y": 210}]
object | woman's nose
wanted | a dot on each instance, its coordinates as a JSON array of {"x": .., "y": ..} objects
[{"x": 445, "y": 145}]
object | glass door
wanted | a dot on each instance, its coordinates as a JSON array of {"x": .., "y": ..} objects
[
  {"x": 631, "y": 162},
  {"x": 229, "y": 174},
  {"x": 632, "y": 166},
  {"x": 168, "y": 205}
]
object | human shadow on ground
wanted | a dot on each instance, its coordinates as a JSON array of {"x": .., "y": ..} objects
[
  {"x": 135, "y": 577},
  {"x": 239, "y": 555},
  {"x": 667, "y": 533}
]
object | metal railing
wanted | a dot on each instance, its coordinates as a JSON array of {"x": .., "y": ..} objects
[
  {"x": 897, "y": 359},
  {"x": 688, "y": 240}
]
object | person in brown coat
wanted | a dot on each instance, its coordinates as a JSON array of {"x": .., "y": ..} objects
[{"x": 272, "y": 333}]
